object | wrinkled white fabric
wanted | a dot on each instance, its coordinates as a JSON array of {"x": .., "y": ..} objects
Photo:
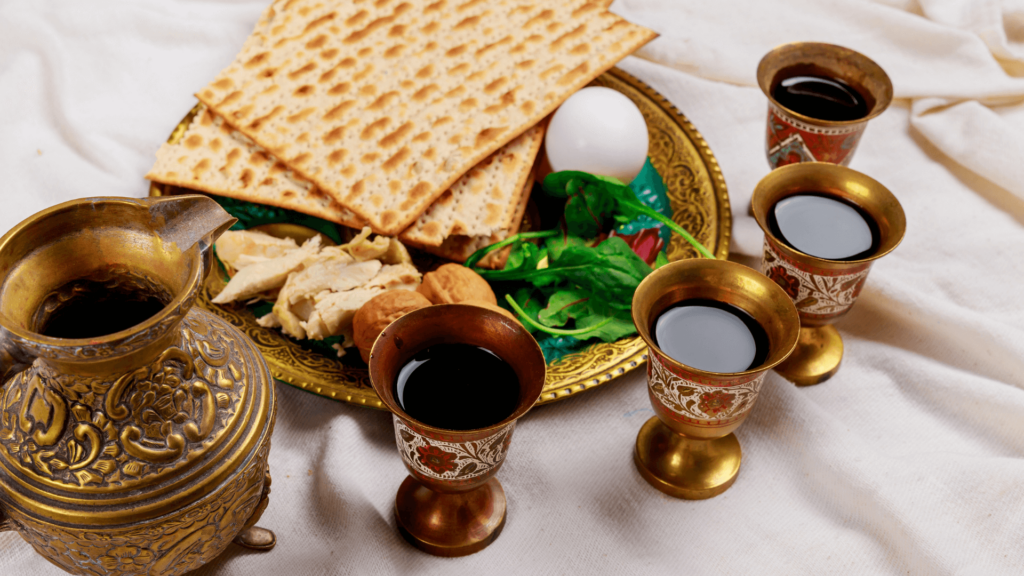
[{"x": 906, "y": 462}]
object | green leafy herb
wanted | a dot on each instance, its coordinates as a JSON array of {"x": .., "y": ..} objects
[
  {"x": 524, "y": 258},
  {"x": 555, "y": 245},
  {"x": 251, "y": 215},
  {"x": 542, "y": 328},
  {"x": 650, "y": 191},
  {"x": 514, "y": 260},
  {"x": 564, "y": 305},
  {"x": 589, "y": 313},
  {"x": 533, "y": 303},
  {"x": 610, "y": 269},
  {"x": 574, "y": 283},
  {"x": 593, "y": 202}
]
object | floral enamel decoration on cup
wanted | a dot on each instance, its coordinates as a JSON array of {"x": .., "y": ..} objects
[
  {"x": 457, "y": 378},
  {"x": 429, "y": 458},
  {"x": 820, "y": 99},
  {"x": 714, "y": 329},
  {"x": 824, "y": 226}
]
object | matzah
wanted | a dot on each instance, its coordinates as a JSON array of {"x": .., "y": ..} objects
[
  {"x": 459, "y": 248},
  {"x": 485, "y": 199},
  {"x": 385, "y": 104},
  {"x": 210, "y": 156}
]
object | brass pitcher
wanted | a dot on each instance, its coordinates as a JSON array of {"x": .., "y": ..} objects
[{"x": 143, "y": 451}]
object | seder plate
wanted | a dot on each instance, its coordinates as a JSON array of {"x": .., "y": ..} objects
[{"x": 700, "y": 204}]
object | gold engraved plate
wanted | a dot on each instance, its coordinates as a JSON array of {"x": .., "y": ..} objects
[{"x": 700, "y": 203}]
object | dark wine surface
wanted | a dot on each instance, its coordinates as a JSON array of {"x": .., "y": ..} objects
[
  {"x": 98, "y": 308},
  {"x": 821, "y": 97},
  {"x": 824, "y": 226},
  {"x": 457, "y": 387},
  {"x": 712, "y": 336}
]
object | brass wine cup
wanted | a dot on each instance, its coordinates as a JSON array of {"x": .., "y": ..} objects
[
  {"x": 795, "y": 137},
  {"x": 451, "y": 504},
  {"x": 688, "y": 449},
  {"x": 823, "y": 290}
]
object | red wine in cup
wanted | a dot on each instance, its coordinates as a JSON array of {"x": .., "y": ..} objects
[
  {"x": 824, "y": 226},
  {"x": 820, "y": 97},
  {"x": 457, "y": 387},
  {"x": 711, "y": 336}
]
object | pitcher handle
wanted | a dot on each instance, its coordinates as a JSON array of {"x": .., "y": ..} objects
[
  {"x": 12, "y": 358},
  {"x": 12, "y": 361}
]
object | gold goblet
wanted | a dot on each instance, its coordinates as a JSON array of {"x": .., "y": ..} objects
[
  {"x": 823, "y": 290},
  {"x": 688, "y": 450},
  {"x": 795, "y": 137},
  {"x": 451, "y": 504}
]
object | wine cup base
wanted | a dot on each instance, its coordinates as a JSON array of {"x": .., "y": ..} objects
[
  {"x": 685, "y": 467},
  {"x": 450, "y": 524},
  {"x": 817, "y": 356}
]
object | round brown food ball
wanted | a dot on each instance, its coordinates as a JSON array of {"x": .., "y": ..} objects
[
  {"x": 381, "y": 310},
  {"x": 454, "y": 283},
  {"x": 490, "y": 306}
]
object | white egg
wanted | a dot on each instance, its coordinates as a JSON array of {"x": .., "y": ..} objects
[{"x": 598, "y": 130}]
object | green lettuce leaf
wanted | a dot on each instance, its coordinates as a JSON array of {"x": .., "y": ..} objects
[
  {"x": 595, "y": 204},
  {"x": 562, "y": 306},
  {"x": 557, "y": 244},
  {"x": 610, "y": 269},
  {"x": 590, "y": 312},
  {"x": 531, "y": 301}
]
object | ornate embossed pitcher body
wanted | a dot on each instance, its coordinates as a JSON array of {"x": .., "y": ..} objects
[{"x": 143, "y": 451}]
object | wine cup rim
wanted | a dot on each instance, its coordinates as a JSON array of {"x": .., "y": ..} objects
[
  {"x": 778, "y": 351},
  {"x": 531, "y": 390},
  {"x": 882, "y": 100},
  {"x": 886, "y": 245}
]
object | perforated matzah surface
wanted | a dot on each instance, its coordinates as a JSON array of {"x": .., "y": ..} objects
[
  {"x": 385, "y": 104},
  {"x": 459, "y": 248},
  {"x": 485, "y": 199},
  {"x": 212, "y": 157}
]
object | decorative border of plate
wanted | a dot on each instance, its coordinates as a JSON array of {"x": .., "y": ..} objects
[{"x": 700, "y": 202}]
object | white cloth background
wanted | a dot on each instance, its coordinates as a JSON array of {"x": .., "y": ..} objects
[{"x": 907, "y": 462}]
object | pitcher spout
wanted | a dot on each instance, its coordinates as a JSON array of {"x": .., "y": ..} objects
[{"x": 190, "y": 220}]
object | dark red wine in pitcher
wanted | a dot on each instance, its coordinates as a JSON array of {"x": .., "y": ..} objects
[
  {"x": 821, "y": 97},
  {"x": 457, "y": 387},
  {"x": 96, "y": 308},
  {"x": 710, "y": 335}
]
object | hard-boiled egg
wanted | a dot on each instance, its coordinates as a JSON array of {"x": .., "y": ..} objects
[{"x": 598, "y": 130}]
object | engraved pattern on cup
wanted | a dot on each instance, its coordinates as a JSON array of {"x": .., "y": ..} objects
[
  {"x": 709, "y": 404},
  {"x": 818, "y": 293},
  {"x": 451, "y": 461},
  {"x": 790, "y": 140}
]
